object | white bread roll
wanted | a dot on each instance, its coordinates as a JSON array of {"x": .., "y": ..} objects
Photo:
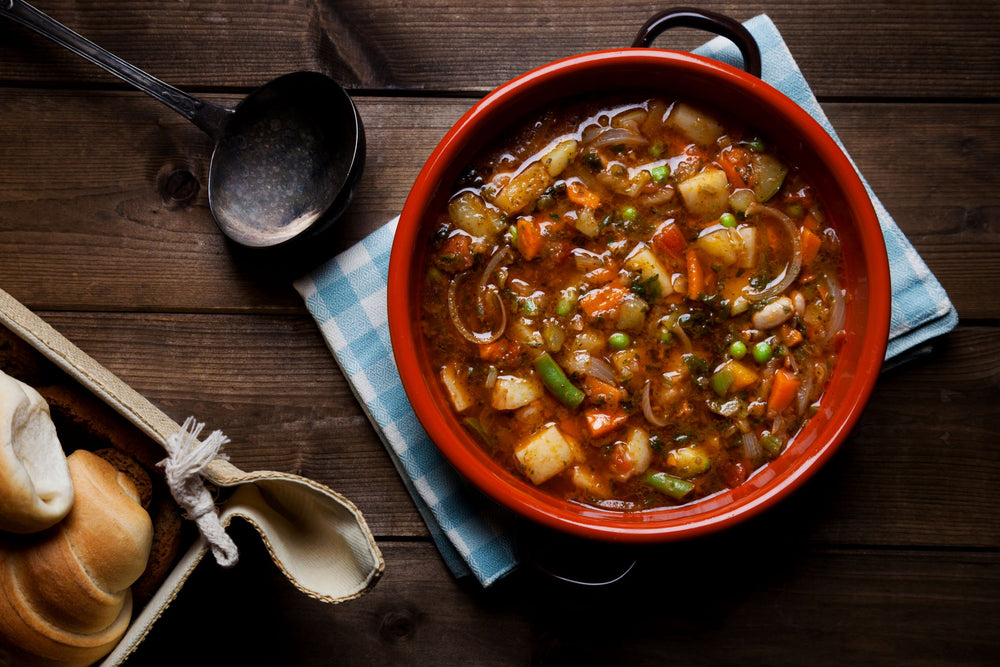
[
  {"x": 64, "y": 594},
  {"x": 35, "y": 488}
]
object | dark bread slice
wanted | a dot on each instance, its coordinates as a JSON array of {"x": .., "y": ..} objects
[
  {"x": 85, "y": 421},
  {"x": 168, "y": 529}
]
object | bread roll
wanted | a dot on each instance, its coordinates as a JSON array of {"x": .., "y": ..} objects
[
  {"x": 35, "y": 487},
  {"x": 64, "y": 595}
]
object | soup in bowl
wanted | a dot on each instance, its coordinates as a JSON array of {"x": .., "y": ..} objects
[{"x": 638, "y": 295}]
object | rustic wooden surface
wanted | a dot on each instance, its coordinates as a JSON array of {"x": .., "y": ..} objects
[{"x": 890, "y": 555}]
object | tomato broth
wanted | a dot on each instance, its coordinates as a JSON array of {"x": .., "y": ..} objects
[{"x": 632, "y": 304}]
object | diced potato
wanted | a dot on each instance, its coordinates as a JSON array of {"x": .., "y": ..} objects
[
  {"x": 626, "y": 364},
  {"x": 587, "y": 224},
  {"x": 583, "y": 478},
  {"x": 695, "y": 125},
  {"x": 741, "y": 199},
  {"x": 524, "y": 189},
  {"x": 454, "y": 384},
  {"x": 689, "y": 461},
  {"x": 545, "y": 454},
  {"x": 706, "y": 194},
  {"x": 560, "y": 156},
  {"x": 644, "y": 261},
  {"x": 471, "y": 214},
  {"x": 769, "y": 173},
  {"x": 748, "y": 252},
  {"x": 511, "y": 392},
  {"x": 634, "y": 455},
  {"x": 723, "y": 245},
  {"x": 632, "y": 313},
  {"x": 743, "y": 375}
]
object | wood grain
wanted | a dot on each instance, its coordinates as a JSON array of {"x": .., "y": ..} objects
[
  {"x": 913, "y": 472},
  {"x": 105, "y": 228},
  {"x": 889, "y": 555},
  {"x": 860, "y": 606},
  {"x": 875, "y": 49}
]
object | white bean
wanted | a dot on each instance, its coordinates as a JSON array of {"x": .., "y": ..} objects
[{"x": 774, "y": 314}]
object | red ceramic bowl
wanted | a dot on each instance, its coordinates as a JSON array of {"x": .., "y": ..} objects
[{"x": 799, "y": 138}]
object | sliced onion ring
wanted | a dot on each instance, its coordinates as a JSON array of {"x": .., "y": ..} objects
[
  {"x": 791, "y": 271},
  {"x": 647, "y": 408},
  {"x": 502, "y": 255},
  {"x": 472, "y": 336}
]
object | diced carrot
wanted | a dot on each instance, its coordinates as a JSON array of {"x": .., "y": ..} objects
[
  {"x": 602, "y": 301},
  {"x": 601, "y": 276},
  {"x": 773, "y": 239},
  {"x": 696, "y": 278},
  {"x": 600, "y": 392},
  {"x": 669, "y": 240},
  {"x": 811, "y": 223},
  {"x": 601, "y": 421},
  {"x": 790, "y": 336},
  {"x": 734, "y": 161},
  {"x": 455, "y": 254},
  {"x": 529, "y": 238},
  {"x": 571, "y": 426},
  {"x": 581, "y": 196},
  {"x": 783, "y": 389},
  {"x": 811, "y": 242},
  {"x": 499, "y": 349}
]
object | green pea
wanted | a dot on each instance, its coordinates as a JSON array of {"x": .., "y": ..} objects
[
  {"x": 629, "y": 213},
  {"x": 660, "y": 174},
  {"x": 619, "y": 340},
  {"x": 738, "y": 349},
  {"x": 762, "y": 352},
  {"x": 727, "y": 220}
]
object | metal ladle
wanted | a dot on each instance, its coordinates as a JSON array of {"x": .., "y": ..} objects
[{"x": 286, "y": 159}]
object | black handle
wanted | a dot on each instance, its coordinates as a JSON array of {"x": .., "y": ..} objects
[{"x": 719, "y": 24}]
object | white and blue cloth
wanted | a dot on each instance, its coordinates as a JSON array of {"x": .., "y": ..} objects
[{"x": 347, "y": 297}]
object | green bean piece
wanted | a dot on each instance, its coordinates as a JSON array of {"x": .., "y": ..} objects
[
  {"x": 555, "y": 379},
  {"x": 675, "y": 487},
  {"x": 567, "y": 301},
  {"x": 722, "y": 380},
  {"x": 771, "y": 444}
]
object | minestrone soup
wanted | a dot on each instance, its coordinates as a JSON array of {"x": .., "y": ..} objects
[{"x": 632, "y": 304}]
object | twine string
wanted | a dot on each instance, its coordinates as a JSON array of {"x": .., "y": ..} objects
[{"x": 187, "y": 458}]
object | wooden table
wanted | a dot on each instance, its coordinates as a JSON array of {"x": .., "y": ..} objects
[{"x": 890, "y": 555}]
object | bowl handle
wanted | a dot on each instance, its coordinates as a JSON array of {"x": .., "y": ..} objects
[{"x": 685, "y": 17}]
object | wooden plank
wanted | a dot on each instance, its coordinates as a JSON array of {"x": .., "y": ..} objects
[
  {"x": 721, "y": 602},
  {"x": 923, "y": 49},
  {"x": 103, "y": 224},
  {"x": 917, "y": 470}
]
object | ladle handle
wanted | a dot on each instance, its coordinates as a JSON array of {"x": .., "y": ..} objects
[{"x": 207, "y": 116}]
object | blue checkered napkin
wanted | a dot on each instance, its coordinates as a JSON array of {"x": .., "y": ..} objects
[
  {"x": 920, "y": 307},
  {"x": 347, "y": 297}
]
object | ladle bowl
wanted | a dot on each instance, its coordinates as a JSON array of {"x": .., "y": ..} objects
[{"x": 286, "y": 158}]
